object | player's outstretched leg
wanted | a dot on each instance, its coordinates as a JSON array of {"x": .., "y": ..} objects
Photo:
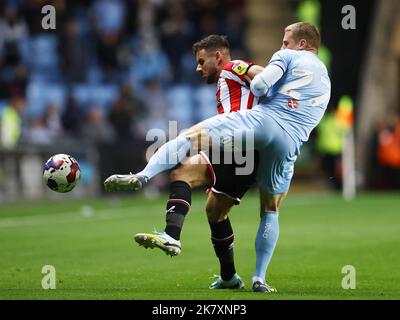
[
  {"x": 123, "y": 182},
  {"x": 166, "y": 157}
]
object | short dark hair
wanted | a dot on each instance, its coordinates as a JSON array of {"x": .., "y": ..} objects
[
  {"x": 212, "y": 42},
  {"x": 307, "y": 31}
]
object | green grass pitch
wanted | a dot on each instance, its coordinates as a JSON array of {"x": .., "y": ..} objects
[{"x": 90, "y": 244}]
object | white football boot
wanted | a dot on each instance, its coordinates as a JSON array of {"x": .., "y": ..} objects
[
  {"x": 122, "y": 182},
  {"x": 160, "y": 240}
]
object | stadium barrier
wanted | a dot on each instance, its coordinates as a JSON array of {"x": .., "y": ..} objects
[
  {"x": 21, "y": 171},
  {"x": 21, "y": 168}
]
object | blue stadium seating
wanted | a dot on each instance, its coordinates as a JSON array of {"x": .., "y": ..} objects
[
  {"x": 206, "y": 103},
  {"x": 43, "y": 58},
  {"x": 180, "y": 105},
  {"x": 40, "y": 94},
  {"x": 101, "y": 95},
  {"x": 3, "y": 104}
]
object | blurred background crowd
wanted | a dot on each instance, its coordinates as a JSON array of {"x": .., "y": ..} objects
[{"x": 112, "y": 70}]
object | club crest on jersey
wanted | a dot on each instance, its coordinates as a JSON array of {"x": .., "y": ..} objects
[
  {"x": 239, "y": 67},
  {"x": 292, "y": 104}
]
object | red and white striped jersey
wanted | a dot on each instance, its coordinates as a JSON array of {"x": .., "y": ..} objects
[{"x": 233, "y": 91}]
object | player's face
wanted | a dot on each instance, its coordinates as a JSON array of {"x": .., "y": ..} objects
[
  {"x": 289, "y": 42},
  {"x": 207, "y": 65}
]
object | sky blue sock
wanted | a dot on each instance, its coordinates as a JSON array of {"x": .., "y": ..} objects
[
  {"x": 167, "y": 156},
  {"x": 267, "y": 236}
]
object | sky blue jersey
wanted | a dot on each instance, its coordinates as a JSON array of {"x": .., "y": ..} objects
[{"x": 299, "y": 99}]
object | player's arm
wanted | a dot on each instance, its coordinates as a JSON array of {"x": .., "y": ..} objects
[
  {"x": 233, "y": 78},
  {"x": 266, "y": 79},
  {"x": 252, "y": 71},
  {"x": 270, "y": 75},
  {"x": 244, "y": 70}
]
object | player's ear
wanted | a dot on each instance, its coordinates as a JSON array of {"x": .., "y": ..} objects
[
  {"x": 218, "y": 56},
  {"x": 303, "y": 44}
]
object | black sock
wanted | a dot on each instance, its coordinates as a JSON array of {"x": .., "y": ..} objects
[
  {"x": 178, "y": 205},
  {"x": 222, "y": 239}
]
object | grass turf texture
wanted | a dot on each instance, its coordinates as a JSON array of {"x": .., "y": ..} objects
[{"x": 90, "y": 243}]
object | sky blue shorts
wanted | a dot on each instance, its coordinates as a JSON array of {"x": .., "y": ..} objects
[{"x": 278, "y": 151}]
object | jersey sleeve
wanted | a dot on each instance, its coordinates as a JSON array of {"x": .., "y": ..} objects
[
  {"x": 282, "y": 59},
  {"x": 231, "y": 86},
  {"x": 238, "y": 68}
]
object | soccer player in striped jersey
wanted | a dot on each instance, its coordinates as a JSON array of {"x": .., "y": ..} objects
[
  {"x": 296, "y": 89},
  {"x": 233, "y": 93},
  {"x": 226, "y": 188}
]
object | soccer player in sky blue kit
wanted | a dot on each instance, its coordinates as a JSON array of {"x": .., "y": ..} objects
[{"x": 295, "y": 87}]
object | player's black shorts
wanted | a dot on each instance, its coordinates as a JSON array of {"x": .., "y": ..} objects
[{"x": 229, "y": 176}]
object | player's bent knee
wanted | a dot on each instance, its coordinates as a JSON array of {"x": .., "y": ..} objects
[
  {"x": 199, "y": 137},
  {"x": 214, "y": 214},
  {"x": 271, "y": 205},
  {"x": 194, "y": 175},
  {"x": 178, "y": 174},
  {"x": 218, "y": 207},
  {"x": 271, "y": 202}
]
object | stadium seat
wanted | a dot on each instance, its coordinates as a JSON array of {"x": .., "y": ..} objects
[
  {"x": 40, "y": 94},
  {"x": 43, "y": 58},
  {"x": 43, "y": 51},
  {"x": 100, "y": 95},
  {"x": 3, "y": 104},
  {"x": 180, "y": 105},
  {"x": 24, "y": 50},
  {"x": 82, "y": 94},
  {"x": 206, "y": 104},
  {"x": 104, "y": 96}
]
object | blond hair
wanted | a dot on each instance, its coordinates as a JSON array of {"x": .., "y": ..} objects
[{"x": 306, "y": 31}]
